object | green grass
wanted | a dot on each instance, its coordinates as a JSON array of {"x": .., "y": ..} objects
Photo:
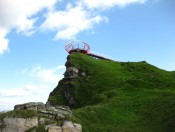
[
  {"x": 121, "y": 96},
  {"x": 19, "y": 114}
]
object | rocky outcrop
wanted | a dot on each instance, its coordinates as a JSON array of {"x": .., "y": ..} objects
[
  {"x": 19, "y": 124},
  {"x": 73, "y": 72},
  {"x": 53, "y": 128},
  {"x": 22, "y": 125},
  {"x": 68, "y": 126},
  {"x": 55, "y": 119},
  {"x": 66, "y": 87},
  {"x": 30, "y": 106}
]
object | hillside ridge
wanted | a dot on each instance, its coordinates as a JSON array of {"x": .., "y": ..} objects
[{"x": 130, "y": 94}]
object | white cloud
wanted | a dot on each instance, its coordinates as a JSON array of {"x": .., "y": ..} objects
[
  {"x": 3, "y": 41},
  {"x": 43, "y": 81},
  {"x": 19, "y": 14},
  {"x": 50, "y": 75},
  {"x": 27, "y": 89},
  {"x": 105, "y": 4},
  {"x": 70, "y": 22},
  {"x": 28, "y": 93},
  {"x": 11, "y": 12},
  {"x": 23, "y": 15}
]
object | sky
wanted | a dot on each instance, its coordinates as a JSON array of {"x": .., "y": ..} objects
[{"x": 33, "y": 35}]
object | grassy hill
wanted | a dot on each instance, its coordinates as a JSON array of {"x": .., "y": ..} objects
[{"x": 121, "y": 96}]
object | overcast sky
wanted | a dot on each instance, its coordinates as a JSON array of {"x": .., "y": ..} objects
[{"x": 33, "y": 35}]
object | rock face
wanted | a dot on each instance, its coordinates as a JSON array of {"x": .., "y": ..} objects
[
  {"x": 66, "y": 87},
  {"x": 55, "y": 119},
  {"x": 71, "y": 72},
  {"x": 53, "y": 128},
  {"x": 30, "y": 106},
  {"x": 19, "y": 124},
  {"x": 68, "y": 126}
]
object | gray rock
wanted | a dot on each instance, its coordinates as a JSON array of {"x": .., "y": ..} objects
[
  {"x": 67, "y": 89},
  {"x": 66, "y": 108},
  {"x": 43, "y": 121},
  {"x": 60, "y": 116},
  {"x": 53, "y": 128},
  {"x": 72, "y": 69},
  {"x": 78, "y": 127},
  {"x": 68, "y": 126},
  {"x": 71, "y": 72},
  {"x": 51, "y": 108},
  {"x": 83, "y": 74},
  {"x": 48, "y": 113},
  {"x": 47, "y": 104},
  {"x": 13, "y": 130},
  {"x": 30, "y": 106},
  {"x": 19, "y": 124},
  {"x": 56, "y": 114}
]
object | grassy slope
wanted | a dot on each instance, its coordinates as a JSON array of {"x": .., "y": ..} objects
[{"x": 118, "y": 96}]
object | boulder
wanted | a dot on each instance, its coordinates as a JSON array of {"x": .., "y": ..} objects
[
  {"x": 53, "y": 128},
  {"x": 72, "y": 69},
  {"x": 56, "y": 113},
  {"x": 71, "y": 72},
  {"x": 68, "y": 126},
  {"x": 43, "y": 121},
  {"x": 46, "y": 115},
  {"x": 65, "y": 108},
  {"x": 78, "y": 127},
  {"x": 19, "y": 124},
  {"x": 30, "y": 106}
]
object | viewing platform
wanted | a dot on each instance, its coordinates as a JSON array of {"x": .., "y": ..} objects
[{"x": 82, "y": 48}]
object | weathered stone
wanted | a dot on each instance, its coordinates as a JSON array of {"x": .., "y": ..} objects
[
  {"x": 68, "y": 126},
  {"x": 71, "y": 72},
  {"x": 47, "y": 104},
  {"x": 78, "y": 127},
  {"x": 53, "y": 128},
  {"x": 63, "y": 112},
  {"x": 66, "y": 108},
  {"x": 31, "y": 122},
  {"x": 30, "y": 106},
  {"x": 73, "y": 75},
  {"x": 13, "y": 130},
  {"x": 72, "y": 69},
  {"x": 43, "y": 120},
  {"x": 51, "y": 108},
  {"x": 57, "y": 114},
  {"x": 19, "y": 124},
  {"x": 44, "y": 111},
  {"x": 83, "y": 74},
  {"x": 60, "y": 116}
]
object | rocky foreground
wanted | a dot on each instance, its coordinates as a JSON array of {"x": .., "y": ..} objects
[{"x": 42, "y": 118}]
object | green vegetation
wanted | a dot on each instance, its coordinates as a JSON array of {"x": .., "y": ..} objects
[
  {"x": 40, "y": 128},
  {"x": 19, "y": 114},
  {"x": 122, "y": 96}
]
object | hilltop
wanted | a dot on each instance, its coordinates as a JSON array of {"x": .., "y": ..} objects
[{"x": 117, "y": 96}]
